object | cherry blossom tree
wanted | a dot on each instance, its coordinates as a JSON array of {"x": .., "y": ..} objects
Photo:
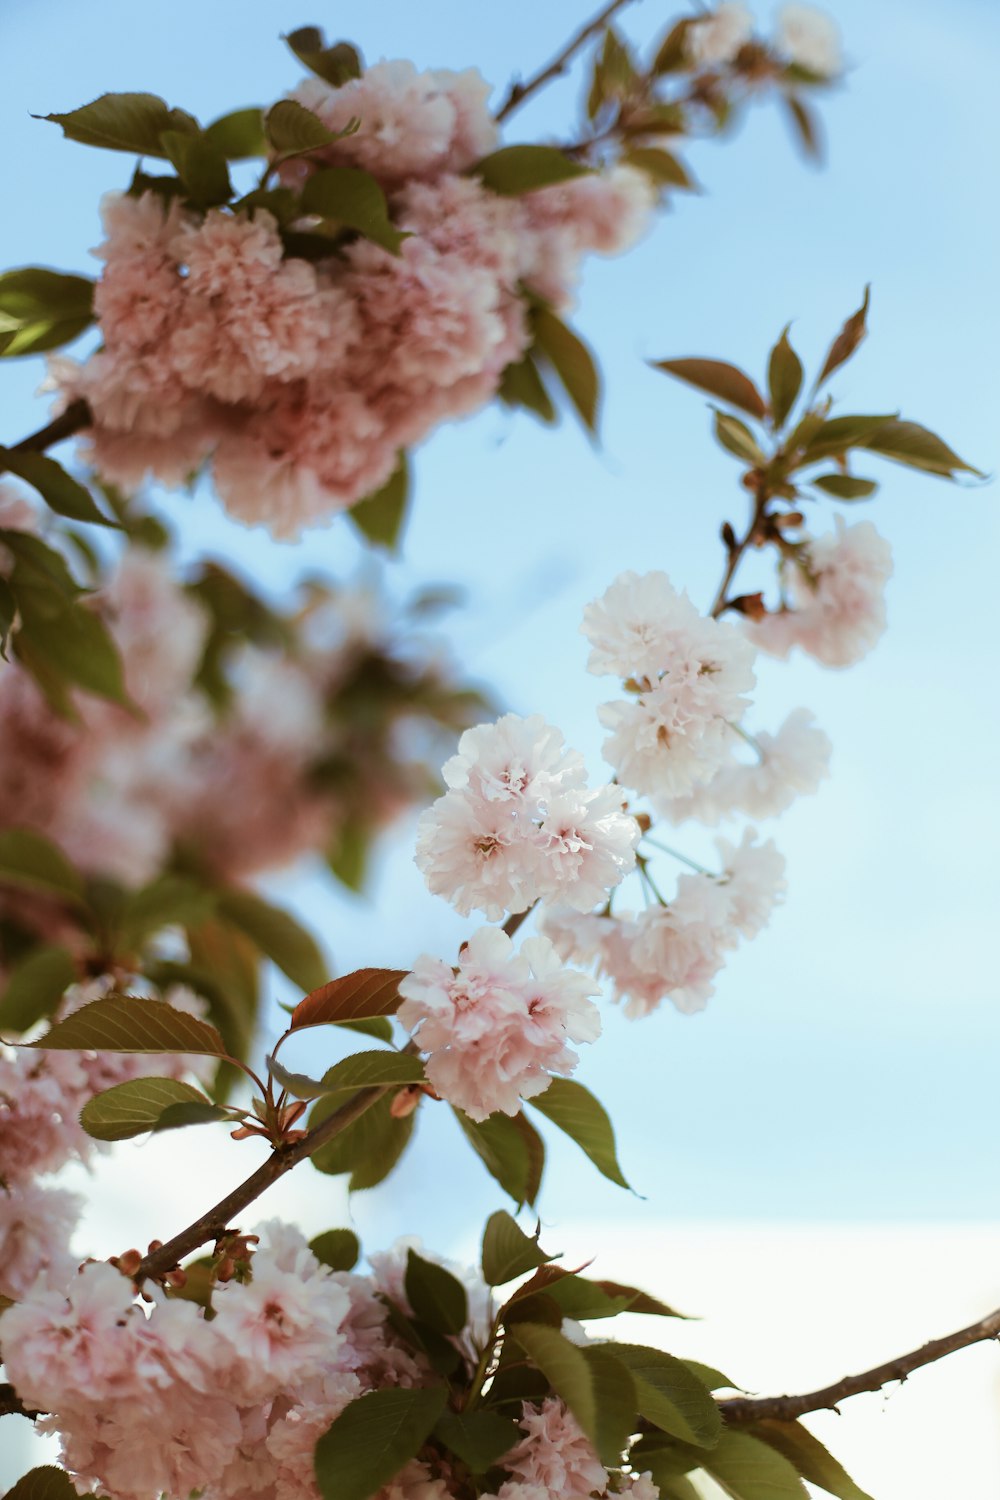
[{"x": 290, "y": 300}]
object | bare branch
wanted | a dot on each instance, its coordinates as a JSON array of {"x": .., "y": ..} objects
[
  {"x": 740, "y": 1411},
  {"x": 519, "y": 92},
  {"x": 220, "y": 1217}
]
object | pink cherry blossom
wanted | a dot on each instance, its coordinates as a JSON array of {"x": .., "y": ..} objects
[
  {"x": 412, "y": 124},
  {"x": 497, "y": 1029},
  {"x": 836, "y": 609},
  {"x": 554, "y": 1453},
  {"x": 790, "y": 763}
]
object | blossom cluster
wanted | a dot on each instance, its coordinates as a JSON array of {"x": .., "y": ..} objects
[
  {"x": 296, "y": 746},
  {"x": 300, "y": 380},
  {"x": 157, "y": 1399},
  {"x": 517, "y": 827},
  {"x": 41, "y": 1095},
  {"x": 518, "y": 824},
  {"x": 498, "y": 1028},
  {"x": 805, "y": 37}
]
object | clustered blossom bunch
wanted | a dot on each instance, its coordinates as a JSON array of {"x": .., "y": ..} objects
[
  {"x": 302, "y": 380},
  {"x": 806, "y": 37},
  {"x": 169, "y": 1397},
  {"x": 517, "y": 829},
  {"x": 41, "y": 1096},
  {"x": 313, "y": 732}
]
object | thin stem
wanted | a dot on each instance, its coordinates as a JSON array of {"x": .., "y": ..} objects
[
  {"x": 74, "y": 419},
  {"x": 519, "y": 92},
  {"x": 744, "y": 735},
  {"x": 642, "y": 866},
  {"x": 789, "y": 1408},
  {"x": 736, "y": 551},
  {"x": 676, "y": 854}
]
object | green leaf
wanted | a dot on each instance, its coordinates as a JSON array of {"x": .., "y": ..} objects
[
  {"x": 478, "y": 1438},
  {"x": 523, "y": 169},
  {"x": 352, "y": 197},
  {"x": 910, "y": 444},
  {"x": 61, "y": 493},
  {"x": 663, "y": 167},
  {"x": 373, "y": 1438},
  {"x": 808, "y": 1456},
  {"x": 40, "y": 566},
  {"x": 847, "y": 340},
  {"x": 280, "y": 202},
  {"x": 225, "y": 969},
  {"x": 347, "y": 856},
  {"x": 35, "y": 985},
  {"x": 737, "y": 439},
  {"x": 337, "y": 1248},
  {"x": 73, "y": 643},
  {"x": 130, "y": 1023},
  {"x": 574, "y": 1110},
  {"x": 838, "y": 434},
  {"x": 353, "y": 997},
  {"x": 711, "y": 1378},
  {"x": 578, "y": 1298},
  {"x": 522, "y": 385},
  {"x": 437, "y": 1297},
  {"x": 135, "y": 1107},
  {"x": 277, "y": 934},
  {"x": 44, "y": 1483},
  {"x": 368, "y": 1149},
  {"x": 615, "y": 1403},
  {"x": 670, "y": 1396},
  {"x": 167, "y": 901},
  {"x": 511, "y": 1150},
  {"x": 845, "y": 486},
  {"x": 676, "y": 1487},
  {"x": 42, "y": 309},
  {"x": 191, "y": 1112},
  {"x": 337, "y": 64},
  {"x": 378, "y": 1027},
  {"x": 508, "y": 1251},
  {"x": 8, "y": 614},
  {"x": 590, "y": 1388},
  {"x": 125, "y": 122},
  {"x": 292, "y": 129},
  {"x": 719, "y": 379},
  {"x": 672, "y": 53},
  {"x": 572, "y": 362},
  {"x": 805, "y": 125},
  {"x": 201, "y": 166},
  {"x": 30, "y": 860},
  {"x": 360, "y": 1071},
  {"x": 239, "y": 135},
  {"x": 784, "y": 379},
  {"x": 750, "y": 1470},
  {"x": 639, "y": 1302},
  {"x": 379, "y": 518}
]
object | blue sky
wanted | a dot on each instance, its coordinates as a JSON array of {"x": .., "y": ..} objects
[{"x": 845, "y": 1068}]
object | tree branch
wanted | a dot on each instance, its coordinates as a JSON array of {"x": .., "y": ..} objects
[
  {"x": 519, "y": 92},
  {"x": 787, "y": 1408},
  {"x": 217, "y": 1219},
  {"x": 736, "y": 551},
  {"x": 74, "y": 419},
  {"x": 12, "y": 1406}
]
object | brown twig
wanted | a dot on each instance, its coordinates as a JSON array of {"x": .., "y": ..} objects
[
  {"x": 12, "y": 1406},
  {"x": 736, "y": 549},
  {"x": 219, "y": 1218},
  {"x": 519, "y": 92},
  {"x": 74, "y": 419},
  {"x": 739, "y": 1412}
]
